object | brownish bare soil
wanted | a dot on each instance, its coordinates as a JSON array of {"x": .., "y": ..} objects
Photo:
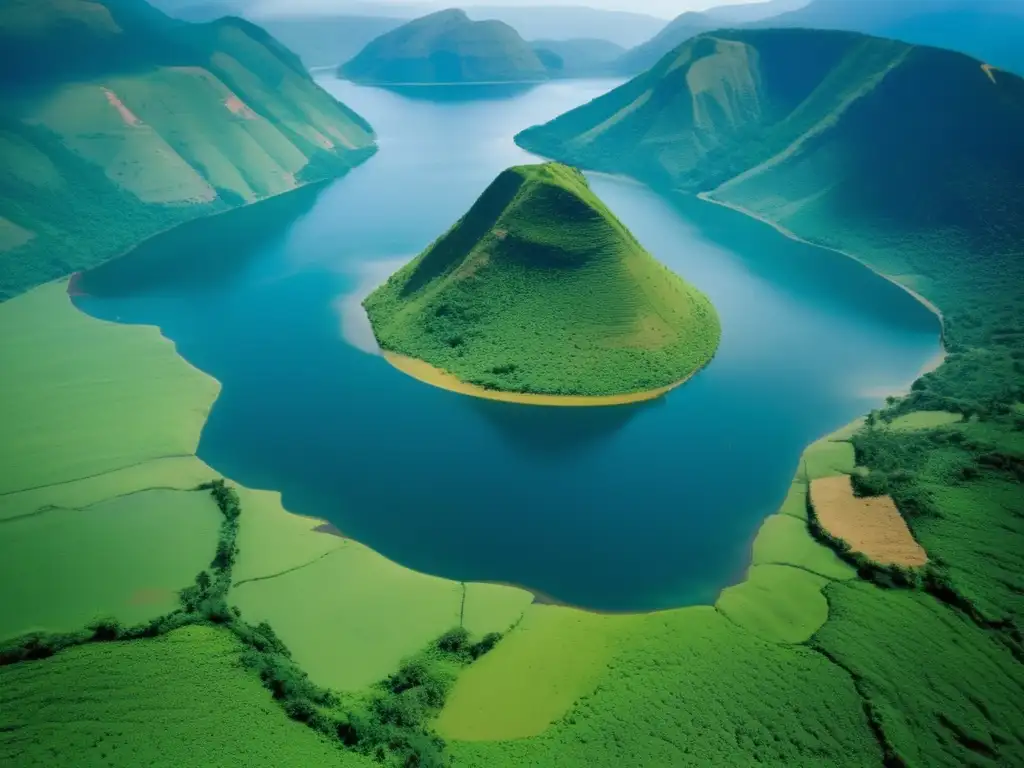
[{"x": 871, "y": 526}]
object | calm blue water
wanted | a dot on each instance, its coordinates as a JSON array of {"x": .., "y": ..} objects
[{"x": 628, "y": 508}]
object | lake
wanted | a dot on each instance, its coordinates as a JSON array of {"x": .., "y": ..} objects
[{"x": 628, "y": 508}]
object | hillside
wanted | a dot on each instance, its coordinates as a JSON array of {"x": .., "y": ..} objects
[
  {"x": 540, "y": 289},
  {"x": 446, "y": 47},
  {"x": 118, "y": 122}
]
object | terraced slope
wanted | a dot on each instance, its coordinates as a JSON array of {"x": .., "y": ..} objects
[
  {"x": 540, "y": 289},
  {"x": 117, "y": 122},
  {"x": 446, "y": 47}
]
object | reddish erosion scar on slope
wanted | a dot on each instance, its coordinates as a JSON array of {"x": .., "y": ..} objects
[{"x": 116, "y": 103}]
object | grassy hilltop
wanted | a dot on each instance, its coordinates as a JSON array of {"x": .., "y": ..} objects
[
  {"x": 117, "y": 122},
  {"x": 447, "y": 47},
  {"x": 540, "y": 289}
]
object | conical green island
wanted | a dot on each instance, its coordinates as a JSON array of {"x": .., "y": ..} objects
[{"x": 539, "y": 289}]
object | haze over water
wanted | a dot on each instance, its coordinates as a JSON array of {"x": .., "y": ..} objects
[{"x": 627, "y": 508}]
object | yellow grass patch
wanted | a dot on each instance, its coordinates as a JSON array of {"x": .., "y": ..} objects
[{"x": 871, "y": 526}]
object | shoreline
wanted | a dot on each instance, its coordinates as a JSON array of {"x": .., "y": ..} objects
[
  {"x": 75, "y": 276},
  {"x": 455, "y": 84},
  {"x": 782, "y": 230},
  {"x": 426, "y": 373},
  {"x": 932, "y": 365}
]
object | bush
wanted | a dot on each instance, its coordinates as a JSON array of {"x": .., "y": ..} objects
[{"x": 106, "y": 629}]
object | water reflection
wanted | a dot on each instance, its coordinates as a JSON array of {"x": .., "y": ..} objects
[
  {"x": 550, "y": 432},
  {"x": 202, "y": 255},
  {"x": 460, "y": 92}
]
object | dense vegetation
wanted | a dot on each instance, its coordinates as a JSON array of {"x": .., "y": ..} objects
[
  {"x": 540, "y": 289},
  {"x": 389, "y": 724},
  {"x": 447, "y": 47},
  {"x": 117, "y": 122}
]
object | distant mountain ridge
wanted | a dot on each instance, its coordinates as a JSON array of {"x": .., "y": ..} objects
[
  {"x": 991, "y": 30},
  {"x": 117, "y": 122},
  {"x": 447, "y": 47}
]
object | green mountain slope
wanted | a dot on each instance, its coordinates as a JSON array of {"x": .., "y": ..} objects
[
  {"x": 446, "y": 47},
  {"x": 910, "y": 157},
  {"x": 117, "y": 122},
  {"x": 540, "y": 289}
]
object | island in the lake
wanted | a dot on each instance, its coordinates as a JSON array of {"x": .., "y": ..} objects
[
  {"x": 447, "y": 47},
  {"x": 540, "y": 295}
]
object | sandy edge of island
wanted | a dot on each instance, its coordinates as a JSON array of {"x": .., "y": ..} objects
[{"x": 428, "y": 374}]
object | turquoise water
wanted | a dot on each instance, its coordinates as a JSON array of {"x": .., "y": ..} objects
[{"x": 628, "y": 508}]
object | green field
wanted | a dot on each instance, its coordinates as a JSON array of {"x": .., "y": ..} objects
[
  {"x": 124, "y": 558},
  {"x": 553, "y": 657},
  {"x": 177, "y": 701},
  {"x": 693, "y": 689},
  {"x": 777, "y": 602},
  {"x": 75, "y": 419},
  {"x": 540, "y": 289},
  {"x": 350, "y": 616}
]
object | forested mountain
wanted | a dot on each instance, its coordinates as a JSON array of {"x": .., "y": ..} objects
[
  {"x": 447, "y": 47},
  {"x": 118, "y": 122}
]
